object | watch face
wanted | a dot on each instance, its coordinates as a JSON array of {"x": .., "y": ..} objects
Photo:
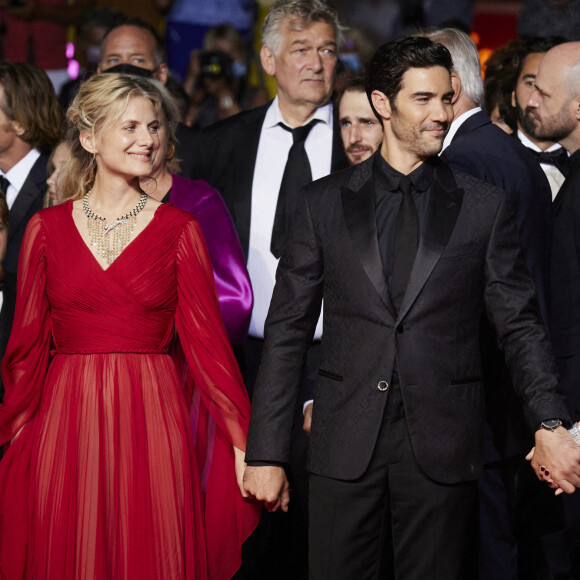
[{"x": 551, "y": 423}]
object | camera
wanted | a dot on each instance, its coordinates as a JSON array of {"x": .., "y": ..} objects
[{"x": 216, "y": 64}]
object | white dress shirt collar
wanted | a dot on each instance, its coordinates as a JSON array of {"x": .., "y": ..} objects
[
  {"x": 457, "y": 122},
  {"x": 18, "y": 174},
  {"x": 531, "y": 145},
  {"x": 274, "y": 116}
]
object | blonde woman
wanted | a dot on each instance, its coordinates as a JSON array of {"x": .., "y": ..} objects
[{"x": 104, "y": 477}]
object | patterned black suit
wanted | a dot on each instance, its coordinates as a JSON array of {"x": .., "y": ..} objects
[{"x": 469, "y": 259}]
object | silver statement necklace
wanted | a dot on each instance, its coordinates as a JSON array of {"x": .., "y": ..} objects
[{"x": 110, "y": 239}]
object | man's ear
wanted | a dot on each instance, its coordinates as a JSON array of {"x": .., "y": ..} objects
[
  {"x": 18, "y": 128},
  {"x": 514, "y": 99},
  {"x": 456, "y": 86},
  {"x": 268, "y": 60},
  {"x": 88, "y": 142},
  {"x": 161, "y": 73},
  {"x": 576, "y": 102},
  {"x": 382, "y": 105}
]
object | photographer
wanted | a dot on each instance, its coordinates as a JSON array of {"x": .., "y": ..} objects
[{"x": 217, "y": 79}]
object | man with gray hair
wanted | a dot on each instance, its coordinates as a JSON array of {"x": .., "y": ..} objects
[
  {"x": 477, "y": 147},
  {"x": 259, "y": 160}
]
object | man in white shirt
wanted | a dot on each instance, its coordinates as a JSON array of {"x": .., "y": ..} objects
[
  {"x": 254, "y": 157},
  {"x": 30, "y": 124},
  {"x": 551, "y": 156}
]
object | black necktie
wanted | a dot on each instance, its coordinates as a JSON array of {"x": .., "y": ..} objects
[
  {"x": 558, "y": 158},
  {"x": 4, "y": 183},
  {"x": 405, "y": 243},
  {"x": 297, "y": 174}
]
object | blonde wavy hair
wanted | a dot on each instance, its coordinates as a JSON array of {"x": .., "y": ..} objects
[{"x": 98, "y": 106}]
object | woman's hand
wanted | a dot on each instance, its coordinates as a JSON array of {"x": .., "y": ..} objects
[{"x": 240, "y": 466}]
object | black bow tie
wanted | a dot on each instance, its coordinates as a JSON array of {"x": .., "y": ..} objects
[{"x": 559, "y": 158}]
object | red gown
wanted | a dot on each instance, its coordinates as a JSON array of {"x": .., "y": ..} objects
[{"x": 122, "y": 464}]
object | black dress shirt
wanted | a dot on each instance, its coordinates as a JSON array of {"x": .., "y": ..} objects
[{"x": 388, "y": 199}]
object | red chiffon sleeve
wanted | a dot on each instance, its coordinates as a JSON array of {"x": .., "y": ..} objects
[
  {"x": 25, "y": 362},
  {"x": 220, "y": 406}
]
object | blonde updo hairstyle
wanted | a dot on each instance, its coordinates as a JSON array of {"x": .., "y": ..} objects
[{"x": 98, "y": 106}]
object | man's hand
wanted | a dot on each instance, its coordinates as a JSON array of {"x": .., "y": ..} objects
[
  {"x": 308, "y": 418},
  {"x": 268, "y": 483},
  {"x": 556, "y": 459}
]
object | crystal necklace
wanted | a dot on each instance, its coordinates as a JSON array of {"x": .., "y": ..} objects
[{"x": 111, "y": 239}]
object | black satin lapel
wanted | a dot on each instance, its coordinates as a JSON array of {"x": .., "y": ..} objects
[
  {"x": 359, "y": 214},
  {"x": 244, "y": 178},
  {"x": 442, "y": 210}
]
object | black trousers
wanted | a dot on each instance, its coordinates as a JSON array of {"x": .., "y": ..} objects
[
  {"x": 278, "y": 548},
  {"x": 434, "y": 527}
]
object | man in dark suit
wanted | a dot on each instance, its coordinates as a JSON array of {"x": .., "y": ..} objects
[
  {"x": 258, "y": 160},
  {"x": 476, "y": 146},
  {"x": 555, "y": 112},
  {"x": 407, "y": 254},
  {"x": 134, "y": 47},
  {"x": 30, "y": 123}
]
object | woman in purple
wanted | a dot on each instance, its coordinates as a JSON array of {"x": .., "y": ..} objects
[{"x": 205, "y": 203}]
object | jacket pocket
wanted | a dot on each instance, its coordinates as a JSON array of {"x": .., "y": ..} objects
[
  {"x": 466, "y": 381},
  {"x": 329, "y": 375}
]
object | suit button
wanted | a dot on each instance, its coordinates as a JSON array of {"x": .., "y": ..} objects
[
  {"x": 383, "y": 386},
  {"x": 400, "y": 329}
]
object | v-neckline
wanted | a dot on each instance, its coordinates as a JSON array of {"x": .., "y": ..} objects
[{"x": 88, "y": 249}]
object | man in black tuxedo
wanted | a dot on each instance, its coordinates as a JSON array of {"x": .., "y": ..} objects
[
  {"x": 30, "y": 124},
  {"x": 551, "y": 156},
  {"x": 258, "y": 160},
  {"x": 554, "y": 109},
  {"x": 134, "y": 47},
  {"x": 407, "y": 254}
]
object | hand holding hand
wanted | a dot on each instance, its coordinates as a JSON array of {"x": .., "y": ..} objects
[
  {"x": 268, "y": 483},
  {"x": 556, "y": 459},
  {"x": 240, "y": 466}
]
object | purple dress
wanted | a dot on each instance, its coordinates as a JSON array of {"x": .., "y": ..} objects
[{"x": 229, "y": 267}]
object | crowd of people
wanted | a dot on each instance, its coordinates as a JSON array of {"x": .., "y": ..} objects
[{"x": 310, "y": 334}]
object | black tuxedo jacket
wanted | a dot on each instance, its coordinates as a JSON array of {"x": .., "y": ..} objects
[
  {"x": 469, "y": 259},
  {"x": 482, "y": 150},
  {"x": 30, "y": 199},
  {"x": 225, "y": 156},
  {"x": 565, "y": 287}
]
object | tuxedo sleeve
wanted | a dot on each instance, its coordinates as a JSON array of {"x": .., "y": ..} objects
[
  {"x": 512, "y": 307},
  {"x": 289, "y": 330}
]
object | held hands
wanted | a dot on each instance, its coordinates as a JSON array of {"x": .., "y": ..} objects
[
  {"x": 556, "y": 459},
  {"x": 268, "y": 483},
  {"x": 240, "y": 466}
]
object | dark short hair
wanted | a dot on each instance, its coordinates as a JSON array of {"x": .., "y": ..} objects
[
  {"x": 30, "y": 100},
  {"x": 385, "y": 70},
  {"x": 532, "y": 45},
  {"x": 353, "y": 84},
  {"x": 160, "y": 56}
]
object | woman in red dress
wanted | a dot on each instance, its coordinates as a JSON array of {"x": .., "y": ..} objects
[{"x": 124, "y": 408}]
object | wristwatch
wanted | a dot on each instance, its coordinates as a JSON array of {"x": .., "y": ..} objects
[{"x": 550, "y": 424}]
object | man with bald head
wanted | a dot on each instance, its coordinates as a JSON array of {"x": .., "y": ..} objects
[{"x": 555, "y": 111}]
